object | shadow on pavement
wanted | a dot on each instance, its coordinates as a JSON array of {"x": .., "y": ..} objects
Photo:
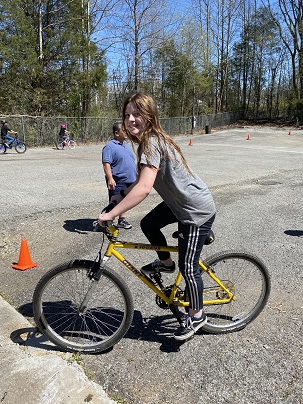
[
  {"x": 157, "y": 329},
  {"x": 296, "y": 233},
  {"x": 31, "y": 337},
  {"x": 79, "y": 225}
]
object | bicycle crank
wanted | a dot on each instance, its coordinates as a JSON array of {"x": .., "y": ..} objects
[{"x": 167, "y": 291}]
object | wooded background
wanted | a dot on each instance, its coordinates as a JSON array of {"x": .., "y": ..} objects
[{"x": 79, "y": 58}]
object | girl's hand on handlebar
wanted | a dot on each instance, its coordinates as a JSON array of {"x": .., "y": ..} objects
[{"x": 103, "y": 218}]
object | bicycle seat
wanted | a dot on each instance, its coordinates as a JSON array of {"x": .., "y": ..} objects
[{"x": 210, "y": 238}]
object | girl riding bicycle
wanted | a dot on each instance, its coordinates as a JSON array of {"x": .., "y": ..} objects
[
  {"x": 63, "y": 134},
  {"x": 186, "y": 201}
]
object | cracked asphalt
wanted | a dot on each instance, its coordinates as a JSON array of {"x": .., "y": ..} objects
[{"x": 51, "y": 197}]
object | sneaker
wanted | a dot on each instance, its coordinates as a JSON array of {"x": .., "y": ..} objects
[
  {"x": 157, "y": 266},
  {"x": 123, "y": 223},
  {"x": 189, "y": 326}
]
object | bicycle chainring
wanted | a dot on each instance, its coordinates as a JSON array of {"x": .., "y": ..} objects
[{"x": 167, "y": 291}]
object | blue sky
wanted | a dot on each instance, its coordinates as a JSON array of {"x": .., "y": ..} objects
[{"x": 112, "y": 54}]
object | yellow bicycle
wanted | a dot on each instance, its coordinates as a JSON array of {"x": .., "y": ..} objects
[{"x": 85, "y": 306}]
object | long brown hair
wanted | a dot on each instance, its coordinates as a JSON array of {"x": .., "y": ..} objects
[{"x": 149, "y": 111}]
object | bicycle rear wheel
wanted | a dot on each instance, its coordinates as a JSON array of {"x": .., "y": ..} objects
[
  {"x": 79, "y": 314},
  {"x": 2, "y": 148},
  {"x": 60, "y": 145},
  {"x": 246, "y": 276},
  {"x": 20, "y": 147}
]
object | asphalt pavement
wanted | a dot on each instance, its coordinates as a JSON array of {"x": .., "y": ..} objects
[{"x": 53, "y": 197}]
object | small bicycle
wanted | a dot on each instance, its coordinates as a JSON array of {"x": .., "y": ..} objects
[
  {"x": 66, "y": 142},
  {"x": 85, "y": 306},
  {"x": 19, "y": 146}
]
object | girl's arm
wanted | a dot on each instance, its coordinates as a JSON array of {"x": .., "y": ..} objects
[{"x": 134, "y": 194}]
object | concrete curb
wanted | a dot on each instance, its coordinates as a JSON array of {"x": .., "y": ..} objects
[{"x": 34, "y": 371}]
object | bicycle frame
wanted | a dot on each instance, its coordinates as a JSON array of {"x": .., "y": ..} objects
[
  {"x": 83, "y": 305},
  {"x": 173, "y": 299},
  {"x": 16, "y": 141},
  {"x": 19, "y": 145}
]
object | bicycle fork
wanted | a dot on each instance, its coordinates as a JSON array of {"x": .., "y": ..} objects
[
  {"x": 94, "y": 274},
  {"x": 88, "y": 295}
]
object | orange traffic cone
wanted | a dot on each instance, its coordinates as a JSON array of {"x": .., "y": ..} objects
[
  {"x": 289, "y": 132},
  {"x": 248, "y": 137},
  {"x": 190, "y": 142},
  {"x": 25, "y": 261}
]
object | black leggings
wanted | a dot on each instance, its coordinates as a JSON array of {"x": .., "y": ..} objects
[{"x": 190, "y": 241}]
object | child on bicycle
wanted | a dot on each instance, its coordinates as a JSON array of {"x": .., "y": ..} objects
[
  {"x": 63, "y": 134},
  {"x": 186, "y": 201},
  {"x": 5, "y": 130}
]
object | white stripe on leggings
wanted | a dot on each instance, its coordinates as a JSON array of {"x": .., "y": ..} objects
[{"x": 189, "y": 258}]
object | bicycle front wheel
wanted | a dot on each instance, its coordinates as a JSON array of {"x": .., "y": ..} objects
[
  {"x": 79, "y": 314},
  {"x": 71, "y": 144},
  {"x": 244, "y": 275},
  {"x": 20, "y": 147}
]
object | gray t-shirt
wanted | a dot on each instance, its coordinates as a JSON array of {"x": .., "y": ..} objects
[{"x": 186, "y": 195}]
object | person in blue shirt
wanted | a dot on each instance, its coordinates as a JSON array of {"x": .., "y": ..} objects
[{"x": 119, "y": 166}]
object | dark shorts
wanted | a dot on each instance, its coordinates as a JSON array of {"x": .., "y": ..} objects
[{"x": 119, "y": 187}]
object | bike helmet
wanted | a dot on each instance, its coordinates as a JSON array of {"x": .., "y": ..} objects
[
  {"x": 63, "y": 126},
  {"x": 3, "y": 122}
]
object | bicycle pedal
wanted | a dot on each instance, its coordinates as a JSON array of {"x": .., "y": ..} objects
[
  {"x": 156, "y": 275},
  {"x": 149, "y": 279}
]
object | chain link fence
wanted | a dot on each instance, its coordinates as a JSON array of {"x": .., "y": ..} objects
[{"x": 38, "y": 131}]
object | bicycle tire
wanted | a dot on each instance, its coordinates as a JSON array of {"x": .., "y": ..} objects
[
  {"x": 247, "y": 277},
  {"x": 20, "y": 147},
  {"x": 2, "y": 148},
  {"x": 71, "y": 144},
  {"x": 60, "y": 145},
  {"x": 105, "y": 320}
]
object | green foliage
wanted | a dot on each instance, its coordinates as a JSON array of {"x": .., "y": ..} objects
[
  {"x": 213, "y": 57},
  {"x": 254, "y": 64},
  {"x": 49, "y": 63},
  {"x": 181, "y": 81}
]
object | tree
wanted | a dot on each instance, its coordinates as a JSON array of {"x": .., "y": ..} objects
[
  {"x": 289, "y": 20},
  {"x": 181, "y": 81},
  {"x": 141, "y": 27},
  {"x": 256, "y": 59},
  {"x": 48, "y": 52},
  {"x": 218, "y": 24}
]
